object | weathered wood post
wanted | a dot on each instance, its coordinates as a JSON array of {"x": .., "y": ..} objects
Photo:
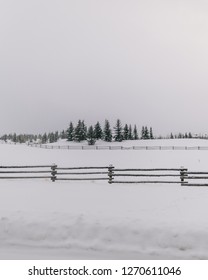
[
  {"x": 53, "y": 172},
  {"x": 110, "y": 173},
  {"x": 183, "y": 174}
]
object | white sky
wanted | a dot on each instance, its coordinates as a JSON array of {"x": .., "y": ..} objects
[{"x": 143, "y": 61}]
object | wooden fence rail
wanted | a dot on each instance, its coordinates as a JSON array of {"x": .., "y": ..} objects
[
  {"x": 67, "y": 173},
  {"x": 169, "y": 175},
  {"x": 112, "y": 147},
  {"x": 26, "y": 172},
  {"x": 197, "y": 178},
  {"x": 107, "y": 173}
]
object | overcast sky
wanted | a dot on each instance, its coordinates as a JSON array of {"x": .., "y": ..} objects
[{"x": 143, "y": 61}]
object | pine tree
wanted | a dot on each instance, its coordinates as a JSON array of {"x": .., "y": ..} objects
[
  {"x": 130, "y": 137},
  {"x": 14, "y": 138},
  {"x": 151, "y": 134},
  {"x": 70, "y": 132},
  {"x": 146, "y": 133},
  {"x": 44, "y": 138},
  {"x": 4, "y": 137},
  {"x": 83, "y": 131},
  {"x": 171, "y": 136},
  {"x": 126, "y": 132},
  {"x": 21, "y": 138},
  {"x": 51, "y": 137},
  {"x": 63, "y": 134},
  {"x": 118, "y": 136},
  {"x": 56, "y": 136},
  {"x": 98, "y": 131},
  {"x": 40, "y": 138},
  {"x": 91, "y": 136},
  {"x": 77, "y": 132},
  {"x": 107, "y": 133},
  {"x": 143, "y": 133},
  {"x": 135, "y": 133},
  {"x": 80, "y": 132}
]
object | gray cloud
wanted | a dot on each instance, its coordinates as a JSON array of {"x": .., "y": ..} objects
[{"x": 142, "y": 61}]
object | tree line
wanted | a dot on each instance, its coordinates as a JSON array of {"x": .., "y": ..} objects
[
  {"x": 80, "y": 132},
  {"x": 118, "y": 133}
]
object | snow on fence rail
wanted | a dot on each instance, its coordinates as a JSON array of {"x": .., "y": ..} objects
[
  {"x": 109, "y": 147},
  {"x": 107, "y": 173}
]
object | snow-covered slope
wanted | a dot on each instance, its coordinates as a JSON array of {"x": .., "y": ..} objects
[{"x": 44, "y": 220}]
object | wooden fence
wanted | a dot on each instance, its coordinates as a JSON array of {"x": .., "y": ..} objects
[
  {"x": 195, "y": 178},
  {"x": 110, "y": 147},
  {"x": 107, "y": 173},
  {"x": 152, "y": 175},
  {"x": 54, "y": 172},
  {"x": 26, "y": 172},
  {"x": 81, "y": 173}
]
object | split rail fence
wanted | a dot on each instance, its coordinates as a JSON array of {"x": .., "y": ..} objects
[
  {"x": 107, "y": 173},
  {"x": 110, "y": 147}
]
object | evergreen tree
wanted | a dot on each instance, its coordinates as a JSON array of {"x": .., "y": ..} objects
[
  {"x": 91, "y": 136},
  {"x": 70, "y": 132},
  {"x": 39, "y": 138},
  {"x": 44, "y": 138},
  {"x": 77, "y": 131},
  {"x": 130, "y": 137},
  {"x": 56, "y": 136},
  {"x": 51, "y": 137},
  {"x": 143, "y": 133},
  {"x": 63, "y": 134},
  {"x": 80, "y": 132},
  {"x": 107, "y": 133},
  {"x": 20, "y": 138},
  {"x": 189, "y": 135},
  {"x": 83, "y": 131},
  {"x": 14, "y": 138},
  {"x": 151, "y": 134},
  {"x": 118, "y": 136},
  {"x": 146, "y": 133},
  {"x": 4, "y": 137},
  {"x": 98, "y": 131},
  {"x": 126, "y": 132},
  {"x": 135, "y": 133},
  {"x": 171, "y": 136}
]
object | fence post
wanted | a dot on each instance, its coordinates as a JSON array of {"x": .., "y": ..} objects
[
  {"x": 53, "y": 172},
  {"x": 110, "y": 173},
  {"x": 183, "y": 174}
]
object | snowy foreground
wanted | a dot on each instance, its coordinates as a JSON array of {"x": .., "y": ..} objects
[{"x": 94, "y": 220}]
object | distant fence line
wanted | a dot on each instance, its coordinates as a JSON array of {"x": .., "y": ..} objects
[
  {"x": 107, "y": 173},
  {"x": 109, "y": 147}
]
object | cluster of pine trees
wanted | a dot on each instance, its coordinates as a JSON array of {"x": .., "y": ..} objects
[
  {"x": 20, "y": 138},
  {"x": 181, "y": 135},
  {"x": 36, "y": 138},
  {"x": 80, "y": 132}
]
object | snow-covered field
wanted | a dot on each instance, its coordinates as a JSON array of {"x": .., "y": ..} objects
[{"x": 94, "y": 220}]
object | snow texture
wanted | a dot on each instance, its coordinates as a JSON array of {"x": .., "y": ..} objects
[{"x": 40, "y": 219}]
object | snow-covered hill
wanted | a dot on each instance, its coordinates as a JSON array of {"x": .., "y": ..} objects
[{"x": 70, "y": 220}]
